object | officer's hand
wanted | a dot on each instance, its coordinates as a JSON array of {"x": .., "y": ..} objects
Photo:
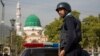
[{"x": 62, "y": 52}]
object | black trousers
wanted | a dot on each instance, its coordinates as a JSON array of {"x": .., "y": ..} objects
[{"x": 75, "y": 52}]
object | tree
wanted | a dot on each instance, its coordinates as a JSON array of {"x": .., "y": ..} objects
[
  {"x": 91, "y": 32},
  {"x": 99, "y": 16},
  {"x": 52, "y": 30},
  {"x": 76, "y": 14},
  {"x": 19, "y": 43},
  {"x": 89, "y": 26}
]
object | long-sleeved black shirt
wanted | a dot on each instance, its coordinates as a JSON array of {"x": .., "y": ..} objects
[{"x": 70, "y": 34}]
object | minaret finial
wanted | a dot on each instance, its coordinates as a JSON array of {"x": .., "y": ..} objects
[
  {"x": 18, "y": 11},
  {"x": 18, "y": 18}
]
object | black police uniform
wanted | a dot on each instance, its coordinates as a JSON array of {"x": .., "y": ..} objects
[
  {"x": 70, "y": 36},
  {"x": 70, "y": 33}
]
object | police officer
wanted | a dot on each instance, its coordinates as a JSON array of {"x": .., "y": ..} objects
[{"x": 70, "y": 32}]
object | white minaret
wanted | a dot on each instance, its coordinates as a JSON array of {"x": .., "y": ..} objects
[{"x": 18, "y": 20}]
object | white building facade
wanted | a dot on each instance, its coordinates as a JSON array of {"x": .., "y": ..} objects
[{"x": 33, "y": 32}]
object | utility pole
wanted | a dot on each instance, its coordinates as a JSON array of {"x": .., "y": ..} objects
[
  {"x": 2, "y": 21},
  {"x": 3, "y": 11},
  {"x": 12, "y": 36}
]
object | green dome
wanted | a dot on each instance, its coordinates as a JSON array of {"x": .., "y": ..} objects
[{"x": 32, "y": 20}]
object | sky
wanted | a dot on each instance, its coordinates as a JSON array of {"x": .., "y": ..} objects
[{"x": 45, "y": 9}]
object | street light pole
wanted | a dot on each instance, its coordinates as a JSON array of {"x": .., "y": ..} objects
[
  {"x": 3, "y": 11},
  {"x": 2, "y": 21},
  {"x": 12, "y": 33}
]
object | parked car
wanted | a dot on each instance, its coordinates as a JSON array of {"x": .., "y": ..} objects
[{"x": 40, "y": 51}]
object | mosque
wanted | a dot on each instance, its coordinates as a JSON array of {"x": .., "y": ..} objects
[{"x": 32, "y": 30}]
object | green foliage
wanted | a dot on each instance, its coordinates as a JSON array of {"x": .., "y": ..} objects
[
  {"x": 90, "y": 30},
  {"x": 16, "y": 42},
  {"x": 19, "y": 42},
  {"x": 76, "y": 14},
  {"x": 52, "y": 30}
]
